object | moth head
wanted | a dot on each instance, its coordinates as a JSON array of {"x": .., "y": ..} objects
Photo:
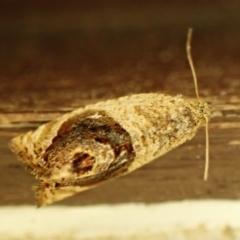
[{"x": 201, "y": 110}]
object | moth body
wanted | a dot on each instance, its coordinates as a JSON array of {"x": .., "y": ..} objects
[{"x": 102, "y": 141}]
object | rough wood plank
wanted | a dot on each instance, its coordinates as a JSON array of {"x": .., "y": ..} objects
[{"x": 51, "y": 66}]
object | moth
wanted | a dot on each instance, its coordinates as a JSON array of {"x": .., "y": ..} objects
[{"x": 102, "y": 141}]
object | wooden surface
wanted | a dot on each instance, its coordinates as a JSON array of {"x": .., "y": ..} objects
[{"x": 57, "y": 56}]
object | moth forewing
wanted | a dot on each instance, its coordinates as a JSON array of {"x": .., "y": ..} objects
[{"x": 102, "y": 141}]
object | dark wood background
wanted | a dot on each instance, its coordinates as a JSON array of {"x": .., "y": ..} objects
[{"x": 56, "y": 56}]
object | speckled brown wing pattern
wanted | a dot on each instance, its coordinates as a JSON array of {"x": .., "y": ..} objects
[{"x": 102, "y": 141}]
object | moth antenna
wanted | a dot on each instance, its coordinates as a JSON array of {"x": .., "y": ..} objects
[
  {"x": 207, "y": 152},
  {"x": 189, "y": 57}
]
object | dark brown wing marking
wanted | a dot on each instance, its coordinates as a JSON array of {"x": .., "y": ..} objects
[{"x": 81, "y": 142}]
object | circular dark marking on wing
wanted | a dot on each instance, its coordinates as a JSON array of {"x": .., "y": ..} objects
[
  {"x": 90, "y": 131},
  {"x": 82, "y": 162}
]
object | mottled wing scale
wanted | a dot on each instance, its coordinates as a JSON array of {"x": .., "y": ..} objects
[
  {"x": 105, "y": 140},
  {"x": 97, "y": 149}
]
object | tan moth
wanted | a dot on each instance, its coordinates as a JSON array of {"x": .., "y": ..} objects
[{"x": 102, "y": 141}]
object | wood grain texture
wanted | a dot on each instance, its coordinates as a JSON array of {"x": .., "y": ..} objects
[{"x": 55, "y": 58}]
